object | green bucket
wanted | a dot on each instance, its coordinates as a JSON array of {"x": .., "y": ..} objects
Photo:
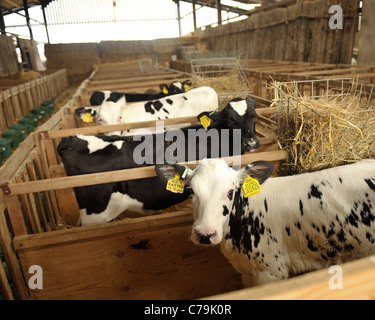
[
  {"x": 15, "y": 135},
  {"x": 19, "y": 127},
  {"x": 28, "y": 123},
  {"x": 50, "y": 105},
  {"x": 33, "y": 117},
  {"x": 5, "y": 147},
  {"x": 40, "y": 112}
]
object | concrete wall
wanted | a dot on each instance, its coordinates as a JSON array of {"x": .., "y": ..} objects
[{"x": 80, "y": 58}]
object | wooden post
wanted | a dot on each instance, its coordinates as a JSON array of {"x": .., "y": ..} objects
[
  {"x": 218, "y": 6},
  {"x": 28, "y": 18},
  {"x": 45, "y": 22},
  {"x": 367, "y": 34},
  {"x": 2, "y": 23},
  {"x": 179, "y": 17},
  {"x": 11, "y": 258},
  {"x": 194, "y": 15}
]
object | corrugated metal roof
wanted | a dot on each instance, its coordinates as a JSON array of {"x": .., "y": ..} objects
[{"x": 10, "y": 6}]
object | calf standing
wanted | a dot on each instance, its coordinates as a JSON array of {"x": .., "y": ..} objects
[
  {"x": 88, "y": 154},
  {"x": 293, "y": 225}
]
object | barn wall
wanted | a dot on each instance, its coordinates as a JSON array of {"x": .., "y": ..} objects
[
  {"x": 80, "y": 58},
  {"x": 8, "y": 58},
  {"x": 298, "y": 32}
]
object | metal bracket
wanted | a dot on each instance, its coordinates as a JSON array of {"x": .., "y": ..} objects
[{"x": 5, "y": 189}]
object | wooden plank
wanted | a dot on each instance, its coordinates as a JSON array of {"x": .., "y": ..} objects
[
  {"x": 96, "y": 130},
  {"x": 122, "y": 175},
  {"x": 16, "y": 216},
  {"x": 358, "y": 283},
  {"x": 11, "y": 258},
  {"x": 330, "y": 72},
  {"x": 38, "y": 199},
  {"x": 27, "y": 211},
  {"x": 353, "y": 76},
  {"x": 153, "y": 261},
  {"x": 5, "y": 289}
]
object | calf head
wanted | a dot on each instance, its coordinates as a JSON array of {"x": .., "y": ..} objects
[
  {"x": 238, "y": 114},
  {"x": 215, "y": 188},
  {"x": 108, "y": 113}
]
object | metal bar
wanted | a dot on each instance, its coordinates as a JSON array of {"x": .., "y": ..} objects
[
  {"x": 179, "y": 17},
  {"x": 194, "y": 15},
  {"x": 45, "y": 23},
  {"x": 2, "y": 23},
  {"x": 28, "y": 18}
]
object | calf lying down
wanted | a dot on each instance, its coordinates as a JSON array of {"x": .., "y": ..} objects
[
  {"x": 293, "y": 225},
  {"x": 188, "y": 104}
]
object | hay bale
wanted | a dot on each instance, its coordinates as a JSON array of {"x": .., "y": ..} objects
[{"x": 335, "y": 128}]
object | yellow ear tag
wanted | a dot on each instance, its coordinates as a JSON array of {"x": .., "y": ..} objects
[
  {"x": 250, "y": 187},
  {"x": 186, "y": 87},
  {"x": 205, "y": 121},
  {"x": 88, "y": 117},
  {"x": 165, "y": 90},
  {"x": 175, "y": 185}
]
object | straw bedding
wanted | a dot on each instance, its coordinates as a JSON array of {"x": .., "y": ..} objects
[{"x": 331, "y": 130}]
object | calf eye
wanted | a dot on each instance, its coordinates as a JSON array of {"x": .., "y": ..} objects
[{"x": 230, "y": 194}]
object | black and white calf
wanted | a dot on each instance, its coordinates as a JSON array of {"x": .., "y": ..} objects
[
  {"x": 293, "y": 225},
  {"x": 89, "y": 154},
  {"x": 186, "y": 104},
  {"x": 99, "y": 97}
]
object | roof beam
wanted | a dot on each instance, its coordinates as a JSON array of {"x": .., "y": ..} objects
[{"x": 212, "y": 4}]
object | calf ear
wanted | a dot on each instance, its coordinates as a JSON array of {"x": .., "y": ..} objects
[
  {"x": 164, "y": 88},
  {"x": 82, "y": 112},
  {"x": 215, "y": 117},
  {"x": 187, "y": 85},
  {"x": 260, "y": 170},
  {"x": 251, "y": 102},
  {"x": 167, "y": 172}
]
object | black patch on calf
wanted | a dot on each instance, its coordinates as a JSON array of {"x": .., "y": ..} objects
[
  {"x": 310, "y": 244},
  {"x": 265, "y": 205},
  {"x": 287, "y": 229},
  {"x": 157, "y": 105},
  {"x": 340, "y": 179},
  {"x": 370, "y": 238},
  {"x": 366, "y": 215},
  {"x": 169, "y": 101},
  {"x": 115, "y": 96},
  {"x": 315, "y": 192},
  {"x": 148, "y": 107},
  {"x": 244, "y": 231},
  {"x": 97, "y": 98},
  {"x": 185, "y": 98},
  {"x": 165, "y": 110},
  {"x": 225, "y": 211},
  {"x": 352, "y": 219},
  {"x": 341, "y": 236},
  {"x": 301, "y": 207},
  {"x": 370, "y": 184}
]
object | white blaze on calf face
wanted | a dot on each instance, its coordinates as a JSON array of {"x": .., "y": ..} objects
[
  {"x": 239, "y": 106},
  {"x": 109, "y": 113},
  {"x": 213, "y": 183}
]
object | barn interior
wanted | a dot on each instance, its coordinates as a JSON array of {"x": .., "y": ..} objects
[{"x": 286, "y": 54}]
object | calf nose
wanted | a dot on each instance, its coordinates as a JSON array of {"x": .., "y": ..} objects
[
  {"x": 253, "y": 144},
  {"x": 204, "y": 238}
]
